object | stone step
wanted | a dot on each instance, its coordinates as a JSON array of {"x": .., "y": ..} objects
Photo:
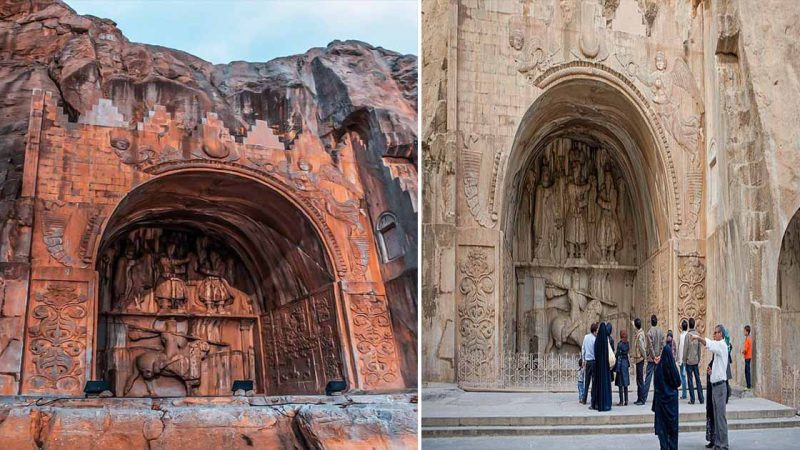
[
  {"x": 635, "y": 428},
  {"x": 596, "y": 419}
]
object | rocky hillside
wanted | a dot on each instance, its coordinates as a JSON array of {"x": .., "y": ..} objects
[{"x": 45, "y": 44}]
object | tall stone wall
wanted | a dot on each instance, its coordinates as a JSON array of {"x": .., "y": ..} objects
[
  {"x": 754, "y": 138},
  {"x": 715, "y": 83}
]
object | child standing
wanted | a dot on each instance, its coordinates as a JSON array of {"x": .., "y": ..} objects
[
  {"x": 581, "y": 379},
  {"x": 748, "y": 355}
]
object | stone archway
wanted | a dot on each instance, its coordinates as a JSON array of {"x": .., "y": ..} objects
[
  {"x": 212, "y": 277},
  {"x": 589, "y": 211},
  {"x": 789, "y": 302}
]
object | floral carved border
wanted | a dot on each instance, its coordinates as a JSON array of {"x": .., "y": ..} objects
[{"x": 476, "y": 312}]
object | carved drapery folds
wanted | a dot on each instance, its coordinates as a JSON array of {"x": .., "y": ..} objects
[
  {"x": 57, "y": 339},
  {"x": 692, "y": 290},
  {"x": 476, "y": 313},
  {"x": 177, "y": 311},
  {"x": 374, "y": 339},
  {"x": 574, "y": 207}
]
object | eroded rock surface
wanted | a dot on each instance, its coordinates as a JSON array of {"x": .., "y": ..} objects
[{"x": 264, "y": 422}]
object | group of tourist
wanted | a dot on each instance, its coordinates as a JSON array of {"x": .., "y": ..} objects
[{"x": 670, "y": 364}]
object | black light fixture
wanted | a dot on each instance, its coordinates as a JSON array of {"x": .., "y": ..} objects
[
  {"x": 96, "y": 387},
  {"x": 335, "y": 386},
  {"x": 245, "y": 385}
]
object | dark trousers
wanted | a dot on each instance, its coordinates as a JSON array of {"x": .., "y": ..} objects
[
  {"x": 623, "y": 394},
  {"x": 588, "y": 378},
  {"x": 639, "y": 381},
  {"x": 651, "y": 367},
  {"x": 693, "y": 373},
  {"x": 747, "y": 373}
]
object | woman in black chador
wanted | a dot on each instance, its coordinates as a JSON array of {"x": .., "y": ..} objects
[
  {"x": 666, "y": 382},
  {"x": 601, "y": 384}
]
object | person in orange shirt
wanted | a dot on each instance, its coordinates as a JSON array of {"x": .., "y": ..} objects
[{"x": 748, "y": 355}]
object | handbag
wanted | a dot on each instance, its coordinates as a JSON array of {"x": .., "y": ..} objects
[{"x": 612, "y": 359}]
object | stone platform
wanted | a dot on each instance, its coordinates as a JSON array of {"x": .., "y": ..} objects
[
  {"x": 450, "y": 412},
  {"x": 292, "y": 422}
]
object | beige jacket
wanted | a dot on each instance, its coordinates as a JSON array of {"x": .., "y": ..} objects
[
  {"x": 637, "y": 355},
  {"x": 691, "y": 349}
]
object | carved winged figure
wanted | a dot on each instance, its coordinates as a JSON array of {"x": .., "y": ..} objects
[{"x": 684, "y": 127}]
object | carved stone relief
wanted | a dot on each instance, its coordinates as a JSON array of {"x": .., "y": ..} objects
[
  {"x": 476, "y": 311},
  {"x": 591, "y": 41},
  {"x": 374, "y": 339},
  {"x": 70, "y": 233},
  {"x": 177, "y": 313},
  {"x": 472, "y": 160},
  {"x": 574, "y": 207},
  {"x": 302, "y": 344},
  {"x": 680, "y": 111},
  {"x": 57, "y": 338},
  {"x": 692, "y": 290},
  {"x": 531, "y": 56}
]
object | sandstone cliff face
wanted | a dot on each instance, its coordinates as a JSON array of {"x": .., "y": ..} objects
[
  {"x": 45, "y": 44},
  {"x": 346, "y": 90}
]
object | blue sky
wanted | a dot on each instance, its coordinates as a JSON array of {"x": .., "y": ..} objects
[{"x": 221, "y": 31}]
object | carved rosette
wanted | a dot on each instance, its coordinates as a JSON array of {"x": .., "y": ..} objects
[
  {"x": 372, "y": 329},
  {"x": 58, "y": 336},
  {"x": 476, "y": 313},
  {"x": 692, "y": 290}
]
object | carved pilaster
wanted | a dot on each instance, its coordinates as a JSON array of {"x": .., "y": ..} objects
[
  {"x": 692, "y": 290},
  {"x": 476, "y": 312}
]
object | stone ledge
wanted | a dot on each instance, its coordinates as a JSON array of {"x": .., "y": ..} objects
[{"x": 340, "y": 422}]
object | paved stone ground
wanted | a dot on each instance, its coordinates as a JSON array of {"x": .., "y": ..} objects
[
  {"x": 443, "y": 400},
  {"x": 745, "y": 439}
]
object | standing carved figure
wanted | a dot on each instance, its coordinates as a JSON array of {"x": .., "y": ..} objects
[
  {"x": 608, "y": 231},
  {"x": 577, "y": 204},
  {"x": 214, "y": 291},
  {"x": 525, "y": 233},
  {"x": 547, "y": 217},
  {"x": 171, "y": 289}
]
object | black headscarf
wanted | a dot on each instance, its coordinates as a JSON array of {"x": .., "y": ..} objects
[
  {"x": 611, "y": 336},
  {"x": 666, "y": 382},
  {"x": 601, "y": 384}
]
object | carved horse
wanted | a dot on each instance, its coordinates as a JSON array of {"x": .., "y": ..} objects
[
  {"x": 184, "y": 366},
  {"x": 565, "y": 331}
]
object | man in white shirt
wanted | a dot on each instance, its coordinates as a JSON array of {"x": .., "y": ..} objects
[
  {"x": 719, "y": 391},
  {"x": 587, "y": 354},
  {"x": 681, "y": 362}
]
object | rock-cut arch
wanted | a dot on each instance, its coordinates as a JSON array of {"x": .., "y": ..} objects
[
  {"x": 223, "y": 276},
  {"x": 591, "y": 110}
]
